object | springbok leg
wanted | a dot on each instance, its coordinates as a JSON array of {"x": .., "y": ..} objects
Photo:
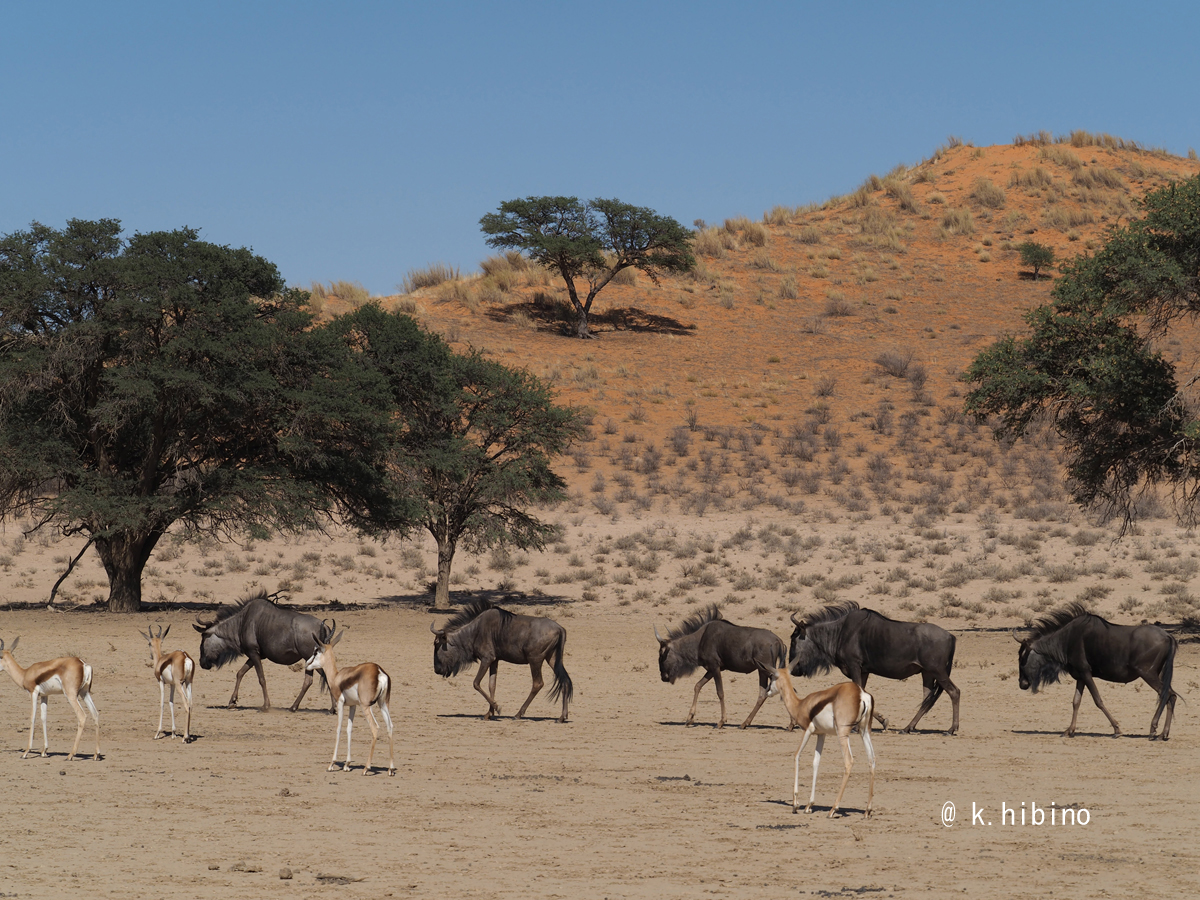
[{"x": 848, "y": 761}]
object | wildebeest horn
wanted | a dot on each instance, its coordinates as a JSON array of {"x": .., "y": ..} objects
[
  {"x": 435, "y": 631},
  {"x": 656, "y": 637},
  {"x": 794, "y": 620},
  {"x": 1015, "y": 638}
]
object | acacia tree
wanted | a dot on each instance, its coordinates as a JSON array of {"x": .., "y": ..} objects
[
  {"x": 163, "y": 380},
  {"x": 472, "y": 445},
  {"x": 1036, "y": 256},
  {"x": 1090, "y": 362},
  {"x": 590, "y": 241}
]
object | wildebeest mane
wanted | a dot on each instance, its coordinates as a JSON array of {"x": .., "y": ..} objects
[
  {"x": 228, "y": 612},
  {"x": 829, "y": 613},
  {"x": 473, "y": 610},
  {"x": 695, "y": 622},
  {"x": 1060, "y": 618}
]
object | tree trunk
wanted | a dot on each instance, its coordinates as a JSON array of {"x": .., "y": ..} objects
[
  {"x": 581, "y": 327},
  {"x": 124, "y": 557},
  {"x": 441, "y": 596}
]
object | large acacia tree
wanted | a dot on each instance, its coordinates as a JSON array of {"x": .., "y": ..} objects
[
  {"x": 1091, "y": 362},
  {"x": 472, "y": 445},
  {"x": 590, "y": 241},
  {"x": 163, "y": 381}
]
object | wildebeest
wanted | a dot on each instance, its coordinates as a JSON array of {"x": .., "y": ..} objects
[
  {"x": 1086, "y": 646},
  {"x": 862, "y": 642},
  {"x": 481, "y": 631},
  {"x": 257, "y": 628},
  {"x": 705, "y": 640}
]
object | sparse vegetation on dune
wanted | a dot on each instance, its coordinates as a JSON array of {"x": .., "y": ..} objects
[{"x": 783, "y": 424}]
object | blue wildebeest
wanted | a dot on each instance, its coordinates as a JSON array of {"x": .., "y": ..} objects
[
  {"x": 481, "y": 631},
  {"x": 705, "y": 640},
  {"x": 862, "y": 642},
  {"x": 1086, "y": 647},
  {"x": 257, "y": 628}
]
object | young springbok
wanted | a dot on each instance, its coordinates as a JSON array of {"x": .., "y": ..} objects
[
  {"x": 174, "y": 669},
  {"x": 67, "y": 675},
  {"x": 834, "y": 710},
  {"x": 363, "y": 685}
]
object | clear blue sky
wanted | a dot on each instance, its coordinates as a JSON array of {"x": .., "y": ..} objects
[{"x": 360, "y": 140}]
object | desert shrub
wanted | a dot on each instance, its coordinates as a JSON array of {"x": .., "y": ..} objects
[
  {"x": 351, "y": 292},
  {"x": 809, "y": 234},
  {"x": 788, "y": 290},
  {"x": 900, "y": 192},
  {"x": 431, "y": 276},
  {"x": 1098, "y": 176},
  {"x": 509, "y": 261},
  {"x": 836, "y": 304},
  {"x": 1064, "y": 218},
  {"x": 708, "y": 243},
  {"x": 1061, "y": 156},
  {"x": 987, "y": 194},
  {"x": 779, "y": 215},
  {"x": 627, "y": 277},
  {"x": 958, "y": 221},
  {"x": 1033, "y": 179},
  {"x": 895, "y": 362},
  {"x": 756, "y": 234}
]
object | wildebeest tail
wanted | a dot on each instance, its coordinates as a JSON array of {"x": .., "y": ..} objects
[
  {"x": 950, "y": 659},
  {"x": 562, "y": 681},
  {"x": 1168, "y": 670}
]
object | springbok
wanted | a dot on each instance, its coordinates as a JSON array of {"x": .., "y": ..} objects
[
  {"x": 363, "y": 685},
  {"x": 174, "y": 669},
  {"x": 834, "y": 710},
  {"x": 66, "y": 675}
]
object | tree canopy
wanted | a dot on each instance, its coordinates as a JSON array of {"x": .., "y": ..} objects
[
  {"x": 473, "y": 444},
  {"x": 163, "y": 379},
  {"x": 592, "y": 241},
  {"x": 1091, "y": 362}
]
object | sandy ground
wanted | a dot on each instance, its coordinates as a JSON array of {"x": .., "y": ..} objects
[{"x": 622, "y": 801}]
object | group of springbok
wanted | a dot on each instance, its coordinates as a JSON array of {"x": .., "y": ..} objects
[{"x": 366, "y": 684}]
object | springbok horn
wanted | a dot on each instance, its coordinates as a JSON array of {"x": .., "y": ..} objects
[{"x": 13, "y": 645}]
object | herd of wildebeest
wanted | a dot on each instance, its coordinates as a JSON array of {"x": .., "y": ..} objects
[{"x": 858, "y": 642}]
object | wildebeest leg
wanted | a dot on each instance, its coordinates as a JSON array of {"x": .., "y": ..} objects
[
  {"x": 308, "y": 680},
  {"x": 484, "y": 666},
  {"x": 696, "y": 696},
  {"x": 933, "y": 690},
  {"x": 952, "y": 689},
  {"x": 720, "y": 696},
  {"x": 237, "y": 683},
  {"x": 859, "y": 677},
  {"x": 1094, "y": 691},
  {"x": 763, "y": 687},
  {"x": 262, "y": 680},
  {"x": 1156, "y": 683},
  {"x": 535, "y": 669}
]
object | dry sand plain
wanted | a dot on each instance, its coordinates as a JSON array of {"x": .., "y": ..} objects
[{"x": 622, "y": 801}]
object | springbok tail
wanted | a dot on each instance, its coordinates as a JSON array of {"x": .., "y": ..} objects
[
  {"x": 562, "y": 681},
  {"x": 85, "y": 687}
]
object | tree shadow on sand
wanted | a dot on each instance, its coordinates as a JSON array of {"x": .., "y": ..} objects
[{"x": 549, "y": 314}]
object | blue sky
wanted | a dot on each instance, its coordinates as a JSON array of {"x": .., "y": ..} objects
[{"x": 361, "y": 140}]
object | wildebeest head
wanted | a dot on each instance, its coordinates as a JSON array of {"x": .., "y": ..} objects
[
  {"x": 810, "y": 647},
  {"x": 217, "y": 646},
  {"x": 677, "y": 651},
  {"x": 449, "y": 655},
  {"x": 1035, "y": 668}
]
